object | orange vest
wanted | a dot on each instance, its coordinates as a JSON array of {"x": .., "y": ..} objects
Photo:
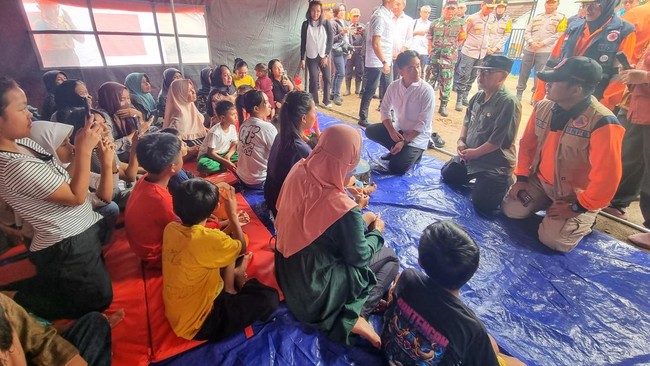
[{"x": 572, "y": 164}]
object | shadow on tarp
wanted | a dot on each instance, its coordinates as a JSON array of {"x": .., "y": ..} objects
[{"x": 587, "y": 307}]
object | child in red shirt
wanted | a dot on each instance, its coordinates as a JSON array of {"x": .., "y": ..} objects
[{"x": 150, "y": 207}]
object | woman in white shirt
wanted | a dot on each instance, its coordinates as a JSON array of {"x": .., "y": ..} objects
[
  {"x": 256, "y": 136},
  {"x": 316, "y": 37}
]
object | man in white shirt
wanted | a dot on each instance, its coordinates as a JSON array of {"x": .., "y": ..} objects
[
  {"x": 379, "y": 49},
  {"x": 402, "y": 36},
  {"x": 419, "y": 43},
  {"x": 413, "y": 101}
]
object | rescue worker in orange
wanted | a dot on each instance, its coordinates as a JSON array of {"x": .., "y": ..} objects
[
  {"x": 569, "y": 160},
  {"x": 599, "y": 36}
]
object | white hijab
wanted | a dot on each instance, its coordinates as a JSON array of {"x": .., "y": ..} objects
[{"x": 51, "y": 135}]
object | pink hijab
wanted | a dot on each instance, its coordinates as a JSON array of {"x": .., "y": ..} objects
[
  {"x": 182, "y": 114},
  {"x": 313, "y": 196}
]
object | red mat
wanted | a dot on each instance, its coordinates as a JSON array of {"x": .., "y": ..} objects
[
  {"x": 146, "y": 336},
  {"x": 18, "y": 270},
  {"x": 226, "y": 176}
]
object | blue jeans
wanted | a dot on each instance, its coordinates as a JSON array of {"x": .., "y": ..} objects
[
  {"x": 110, "y": 213},
  {"x": 339, "y": 67}
]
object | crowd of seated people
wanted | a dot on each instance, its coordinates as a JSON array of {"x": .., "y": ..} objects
[{"x": 63, "y": 178}]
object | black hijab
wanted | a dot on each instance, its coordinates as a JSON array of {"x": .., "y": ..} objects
[
  {"x": 216, "y": 82},
  {"x": 49, "y": 79},
  {"x": 205, "y": 82},
  {"x": 65, "y": 97},
  {"x": 607, "y": 8},
  {"x": 168, "y": 77}
]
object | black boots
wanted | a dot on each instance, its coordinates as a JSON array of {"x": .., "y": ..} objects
[
  {"x": 459, "y": 102},
  {"x": 443, "y": 109},
  {"x": 348, "y": 83}
]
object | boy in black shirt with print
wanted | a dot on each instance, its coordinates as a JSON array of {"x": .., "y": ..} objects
[{"x": 426, "y": 323}]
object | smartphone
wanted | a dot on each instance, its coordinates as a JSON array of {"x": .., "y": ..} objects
[
  {"x": 136, "y": 124},
  {"x": 622, "y": 59},
  {"x": 87, "y": 107},
  {"x": 284, "y": 74},
  {"x": 524, "y": 198}
]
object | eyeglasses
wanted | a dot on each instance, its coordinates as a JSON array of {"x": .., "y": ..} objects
[{"x": 489, "y": 71}]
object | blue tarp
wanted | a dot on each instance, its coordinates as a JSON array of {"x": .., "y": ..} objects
[{"x": 587, "y": 307}]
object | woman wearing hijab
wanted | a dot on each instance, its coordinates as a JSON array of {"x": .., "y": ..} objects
[
  {"x": 71, "y": 278},
  {"x": 182, "y": 115},
  {"x": 169, "y": 75},
  {"x": 599, "y": 36},
  {"x": 54, "y": 137},
  {"x": 124, "y": 119},
  {"x": 202, "y": 94},
  {"x": 51, "y": 79},
  {"x": 70, "y": 94},
  {"x": 338, "y": 252},
  {"x": 221, "y": 86},
  {"x": 139, "y": 86}
]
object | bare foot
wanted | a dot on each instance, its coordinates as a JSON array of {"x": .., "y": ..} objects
[
  {"x": 364, "y": 329},
  {"x": 9, "y": 294},
  {"x": 115, "y": 318},
  {"x": 370, "y": 188},
  {"x": 240, "y": 271}
]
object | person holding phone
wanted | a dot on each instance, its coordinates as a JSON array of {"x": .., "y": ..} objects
[
  {"x": 282, "y": 85},
  {"x": 71, "y": 278},
  {"x": 124, "y": 119},
  {"x": 569, "y": 159},
  {"x": 635, "y": 117}
]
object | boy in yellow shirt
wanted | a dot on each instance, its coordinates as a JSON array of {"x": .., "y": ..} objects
[{"x": 199, "y": 304}]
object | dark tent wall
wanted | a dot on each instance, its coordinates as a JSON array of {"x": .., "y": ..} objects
[{"x": 254, "y": 30}]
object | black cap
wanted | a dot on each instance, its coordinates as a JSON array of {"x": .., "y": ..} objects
[
  {"x": 578, "y": 68},
  {"x": 496, "y": 62}
]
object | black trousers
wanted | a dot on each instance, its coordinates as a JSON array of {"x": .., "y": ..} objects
[
  {"x": 401, "y": 162},
  {"x": 489, "y": 188},
  {"x": 371, "y": 78},
  {"x": 315, "y": 67},
  {"x": 91, "y": 334},
  {"x": 636, "y": 167},
  {"x": 385, "y": 265},
  {"x": 71, "y": 278},
  {"x": 232, "y": 313}
]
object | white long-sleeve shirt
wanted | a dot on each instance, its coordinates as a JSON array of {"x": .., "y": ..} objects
[{"x": 413, "y": 107}]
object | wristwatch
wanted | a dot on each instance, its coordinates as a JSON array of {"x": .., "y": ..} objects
[
  {"x": 575, "y": 207},
  {"x": 384, "y": 62}
]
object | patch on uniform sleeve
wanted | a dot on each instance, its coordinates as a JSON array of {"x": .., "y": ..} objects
[
  {"x": 613, "y": 35},
  {"x": 540, "y": 123},
  {"x": 577, "y": 132},
  {"x": 580, "y": 122}
]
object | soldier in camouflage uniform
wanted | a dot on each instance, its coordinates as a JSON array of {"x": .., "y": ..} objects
[{"x": 445, "y": 34}]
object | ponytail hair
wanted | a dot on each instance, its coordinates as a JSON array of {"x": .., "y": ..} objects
[
  {"x": 296, "y": 104},
  {"x": 239, "y": 63},
  {"x": 247, "y": 102}
]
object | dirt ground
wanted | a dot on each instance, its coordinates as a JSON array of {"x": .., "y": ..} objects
[{"x": 449, "y": 128}]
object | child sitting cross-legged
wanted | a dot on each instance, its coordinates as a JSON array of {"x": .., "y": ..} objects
[
  {"x": 426, "y": 322},
  {"x": 206, "y": 295},
  {"x": 219, "y": 149}
]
